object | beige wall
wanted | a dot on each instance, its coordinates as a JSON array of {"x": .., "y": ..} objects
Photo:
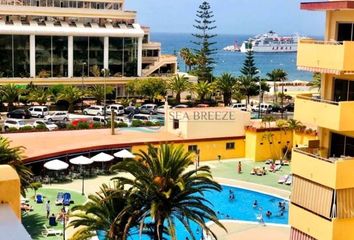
[{"x": 208, "y": 122}]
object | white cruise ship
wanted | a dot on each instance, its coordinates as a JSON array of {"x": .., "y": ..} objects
[{"x": 270, "y": 42}]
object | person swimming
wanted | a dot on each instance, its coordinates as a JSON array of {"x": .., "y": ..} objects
[
  {"x": 255, "y": 204},
  {"x": 269, "y": 214}
]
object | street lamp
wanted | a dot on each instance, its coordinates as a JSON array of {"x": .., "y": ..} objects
[{"x": 82, "y": 84}]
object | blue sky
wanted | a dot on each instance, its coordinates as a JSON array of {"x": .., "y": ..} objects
[{"x": 232, "y": 16}]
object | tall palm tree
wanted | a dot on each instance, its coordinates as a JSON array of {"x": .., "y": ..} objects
[
  {"x": 97, "y": 92},
  {"x": 202, "y": 89},
  {"x": 10, "y": 94},
  {"x": 13, "y": 157},
  {"x": 104, "y": 211},
  {"x": 39, "y": 95},
  {"x": 188, "y": 57},
  {"x": 277, "y": 75},
  {"x": 179, "y": 84},
  {"x": 169, "y": 191},
  {"x": 71, "y": 95},
  {"x": 226, "y": 83},
  {"x": 316, "y": 81},
  {"x": 247, "y": 87}
]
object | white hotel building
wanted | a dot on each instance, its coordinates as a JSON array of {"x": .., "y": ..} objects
[{"x": 60, "y": 41}]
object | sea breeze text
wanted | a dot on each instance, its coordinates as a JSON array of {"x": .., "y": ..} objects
[{"x": 203, "y": 116}]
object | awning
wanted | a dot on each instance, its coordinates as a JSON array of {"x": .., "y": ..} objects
[
  {"x": 124, "y": 154},
  {"x": 298, "y": 235},
  {"x": 312, "y": 196},
  {"x": 319, "y": 70},
  {"x": 102, "y": 157},
  {"x": 81, "y": 160},
  {"x": 327, "y": 5},
  {"x": 56, "y": 165},
  {"x": 345, "y": 203}
]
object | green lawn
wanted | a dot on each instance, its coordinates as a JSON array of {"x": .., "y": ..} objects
[
  {"x": 226, "y": 169},
  {"x": 34, "y": 220}
]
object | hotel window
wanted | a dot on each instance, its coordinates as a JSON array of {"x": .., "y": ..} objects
[
  {"x": 192, "y": 148},
  {"x": 230, "y": 145},
  {"x": 175, "y": 124},
  {"x": 345, "y": 32}
]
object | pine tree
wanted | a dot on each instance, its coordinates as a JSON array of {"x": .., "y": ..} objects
[
  {"x": 204, "y": 25},
  {"x": 249, "y": 68}
]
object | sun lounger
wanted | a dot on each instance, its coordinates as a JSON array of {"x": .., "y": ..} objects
[
  {"x": 39, "y": 198},
  {"x": 283, "y": 179},
  {"x": 289, "y": 180},
  {"x": 277, "y": 168},
  {"x": 278, "y": 162},
  {"x": 269, "y": 161},
  {"x": 286, "y": 163},
  {"x": 60, "y": 198},
  {"x": 66, "y": 199},
  {"x": 51, "y": 232}
]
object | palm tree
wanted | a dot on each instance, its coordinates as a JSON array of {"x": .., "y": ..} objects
[
  {"x": 188, "y": 57},
  {"x": 97, "y": 92},
  {"x": 179, "y": 84},
  {"x": 248, "y": 87},
  {"x": 202, "y": 89},
  {"x": 316, "y": 81},
  {"x": 13, "y": 156},
  {"x": 104, "y": 212},
  {"x": 277, "y": 75},
  {"x": 295, "y": 125},
  {"x": 39, "y": 95},
  {"x": 71, "y": 95},
  {"x": 226, "y": 83},
  {"x": 168, "y": 190},
  {"x": 10, "y": 94}
]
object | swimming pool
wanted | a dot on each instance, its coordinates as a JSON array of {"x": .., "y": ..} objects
[{"x": 241, "y": 209}]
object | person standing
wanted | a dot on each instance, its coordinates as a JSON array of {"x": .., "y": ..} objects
[
  {"x": 239, "y": 169},
  {"x": 47, "y": 208}
]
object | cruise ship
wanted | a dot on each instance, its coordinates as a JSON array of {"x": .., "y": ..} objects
[{"x": 270, "y": 42}]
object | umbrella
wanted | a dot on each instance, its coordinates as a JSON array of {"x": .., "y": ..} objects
[
  {"x": 56, "y": 165},
  {"x": 102, "y": 157},
  {"x": 81, "y": 160},
  {"x": 124, "y": 154}
]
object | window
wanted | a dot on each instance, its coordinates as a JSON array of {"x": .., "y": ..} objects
[
  {"x": 175, "y": 124},
  {"x": 230, "y": 145},
  {"x": 192, "y": 148}
]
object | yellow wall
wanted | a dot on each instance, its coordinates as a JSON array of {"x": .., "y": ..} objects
[
  {"x": 259, "y": 148},
  {"x": 10, "y": 188},
  {"x": 337, "y": 16},
  {"x": 302, "y": 138},
  {"x": 210, "y": 149}
]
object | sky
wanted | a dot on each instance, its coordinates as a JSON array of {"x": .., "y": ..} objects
[{"x": 232, "y": 16}]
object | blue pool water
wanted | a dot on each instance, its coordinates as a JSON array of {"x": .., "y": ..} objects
[{"x": 240, "y": 209}]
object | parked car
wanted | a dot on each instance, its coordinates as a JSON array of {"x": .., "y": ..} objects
[
  {"x": 39, "y": 111},
  {"x": 144, "y": 118},
  {"x": 14, "y": 123},
  {"x": 100, "y": 119},
  {"x": 19, "y": 113},
  {"x": 181, "y": 106},
  {"x": 57, "y": 116},
  {"x": 161, "y": 109},
  {"x": 265, "y": 107},
  {"x": 240, "y": 106},
  {"x": 123, "y": 120},
  {"x": 131, "y": 109},
  {"x": 94, "y": 110},
  {"x": 117, "y": 108},
  {"x": 202, "y": 105},
  {"x": 148, "y": 108},
  {"x": 48, "y": 125}
]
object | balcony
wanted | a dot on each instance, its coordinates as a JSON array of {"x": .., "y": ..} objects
[
  {"x": 338, "y": 116},
  {"x": 318, "y": 227},
  {"x": 315, "y": 164},
  {"x": 326, "y": 57}
]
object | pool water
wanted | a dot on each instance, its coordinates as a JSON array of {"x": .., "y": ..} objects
[{"x": 241, "y": 209}]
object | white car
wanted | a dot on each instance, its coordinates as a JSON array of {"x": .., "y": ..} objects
[
  {"x": 240, "y": 106},
  {"x": 48, "y": 125},
  {"x": 180, "y": 106},
  {"x": 14, "y": 123},
  {"x": 57, "y": 116},
  {"x": 116, "y": 108},
  {"x": 148, "y": 108},
  {"x": 161, "y": 109},
  {"x": 265, "y": 107},
  {"x": 39, "y": 111},
  {"x": 94, "y": 110},
  {"x": 145, "y": 118}
]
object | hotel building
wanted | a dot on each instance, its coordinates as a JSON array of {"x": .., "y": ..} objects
[
  {"x": 322, "y": 198},
  {"x": 60, "y": 41}
]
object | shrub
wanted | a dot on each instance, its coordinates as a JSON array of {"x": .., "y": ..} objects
[
  {"x": 96, "y": 125},
  {"x": 137, "y": 123},
  {"x": 189, "y": 97},
  {"x": 149, "y": 124},
  {"x": 26, "y": 128},
  {"x": 122, "y": 125},
  {"x": 41, "y": 127},
  {"x": 71, "y": 127},
  {"x": 83, "y": 125},
  {"x": 157, "y": 124},
  {"x": 12, "y": 129}
]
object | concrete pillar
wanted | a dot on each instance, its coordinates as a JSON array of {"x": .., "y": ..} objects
[
  {"x": 32, "y": 55},
  {"x": 140, "y": 56},
  {"x": 106, "y": 53},
  {"x": 70, "y": 56}
]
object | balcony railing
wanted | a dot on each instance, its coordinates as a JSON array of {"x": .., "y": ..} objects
[
  {"x": 321, "y": 154},
  {"x": 330, "y": 114},
  {"x": 326, "y": 56}
]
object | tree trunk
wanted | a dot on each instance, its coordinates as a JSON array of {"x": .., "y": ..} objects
[
  {"x": 158, "y": 229},
  {"x": 275, "y": 92},
  {"x": 227, "y": 99},
  {"x": 71, "y": 108}
]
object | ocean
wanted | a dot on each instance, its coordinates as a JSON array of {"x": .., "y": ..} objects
[{"x": 231, "y": 62}]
